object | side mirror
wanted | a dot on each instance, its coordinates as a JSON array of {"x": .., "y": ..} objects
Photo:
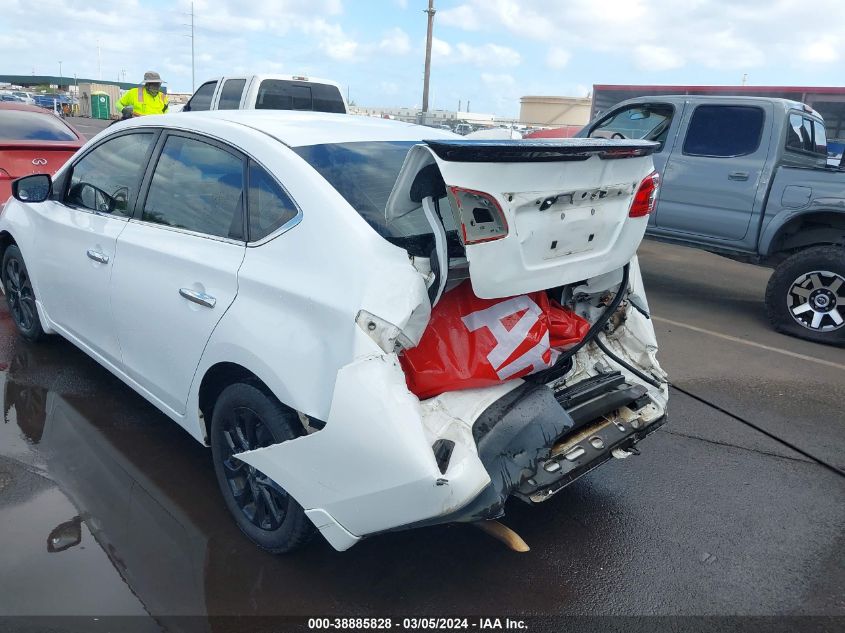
[
  {"x": 65, "y": 535},
  {"x": 35, "y": 188}
]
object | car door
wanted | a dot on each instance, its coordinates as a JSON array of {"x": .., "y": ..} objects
[
  {"x": 712, "y": 183},
  {"x": 201, "y": 100},
  {"x": 179, "y": 258},
  {"x": 652, "y": 121},
  {"x": 78, "y": 238},
  {"x": 230, "y": 94}
]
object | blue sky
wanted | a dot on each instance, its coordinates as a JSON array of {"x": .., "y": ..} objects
[{"x": 489, "y": 52}]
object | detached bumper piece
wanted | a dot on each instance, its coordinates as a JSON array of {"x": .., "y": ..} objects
[{"x": 535, "y": 441}]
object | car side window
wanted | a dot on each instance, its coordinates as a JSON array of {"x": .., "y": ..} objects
[
  {"x": 202, "y": 98},
  {"x": 819, "y": 138},
  {"x": 270, "y": 207},
  {"x": 198, "y": 187},
  {"x": 108, "y": 178},
  {"x": 724, "y": 131},
  {"x": 230, "y": 94},
  {"x": 804, "y": 134},
  {"x": 642, "y": 121}
]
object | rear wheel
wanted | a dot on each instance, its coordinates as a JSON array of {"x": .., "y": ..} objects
[
  {"x": 246, "y": 417},
  {"x": 20, "y": 295},
  {"x": 805, "y": 296}
]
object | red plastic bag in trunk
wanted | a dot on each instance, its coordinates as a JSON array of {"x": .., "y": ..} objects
[{"x": 472, "y": 342}]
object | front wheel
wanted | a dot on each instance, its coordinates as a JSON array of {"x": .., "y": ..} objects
[
  {"x": 805, "y": 296},
  {"x": 247, "y": 417},
  {"x": 20, "y": 295}
]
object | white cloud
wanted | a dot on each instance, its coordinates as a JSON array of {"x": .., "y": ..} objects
[
  {"x": 395, "y": 42},
  {"x": 440, "y": 48},
  {"x": 650, "y": 57},
  {"x": 486, "y": 55},
  {"x": 557, "y": 57},
  {"x": 480, "y": 55},
  {"x": 824, "y": 50},
  {"x": 662, "y": 35}
]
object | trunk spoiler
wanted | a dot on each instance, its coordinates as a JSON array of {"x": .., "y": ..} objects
[
  {"x": 531, "y": 151},
  {"x": 46, "y": 146}
]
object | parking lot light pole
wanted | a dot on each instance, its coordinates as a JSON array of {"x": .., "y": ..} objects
[
  {"x": 430, "y": 11},
  {"x": 60, "y": 70}
]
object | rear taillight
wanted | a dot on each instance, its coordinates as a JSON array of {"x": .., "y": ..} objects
[
  {"x": 478, "y": 215},
  {"x": 646, "y": 196}
]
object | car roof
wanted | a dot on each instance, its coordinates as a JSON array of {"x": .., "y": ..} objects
[
  {"x": 20, "y": 105},
  {"x": 262, "y": 77},
  {"x": 788, "y": 104},
  {"x": 297, "y": 129}
]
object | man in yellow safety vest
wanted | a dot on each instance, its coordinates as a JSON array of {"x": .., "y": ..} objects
[{"x": 147, "y": 98}]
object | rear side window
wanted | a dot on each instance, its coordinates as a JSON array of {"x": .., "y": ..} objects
[
  {"x": 364, "y": 174},
  {"x": 20, "y": 125},
  {"x": 819, "y": 138},
  {"x": 804, "y": 134},
  {"x": 107, "y": 178},
  {"x": 270, "y": 207},
  {"x": 202, "y": 97},
  {"x": 199, "y": 187},
  {"x": 282, "y": 94},
  {"x": 724, "y": 131},
  {"x": 230, "y": 95}
]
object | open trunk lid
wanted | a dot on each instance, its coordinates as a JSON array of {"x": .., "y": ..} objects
[{"x": 534, "y": 215}]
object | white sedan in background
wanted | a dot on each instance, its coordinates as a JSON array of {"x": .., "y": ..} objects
[{"x": 256, "y": 275}]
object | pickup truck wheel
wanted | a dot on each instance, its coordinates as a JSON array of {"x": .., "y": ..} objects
[
  {"x": 20, "y": 295},
  {"x": 246, "y": 417},
  {"x": 805, "y": 296}
]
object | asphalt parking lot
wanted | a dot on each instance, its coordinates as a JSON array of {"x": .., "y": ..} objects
[{"x": 735, "y": 507}]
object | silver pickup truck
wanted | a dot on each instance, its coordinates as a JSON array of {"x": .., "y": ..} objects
[{"x": 746, "y": 177}]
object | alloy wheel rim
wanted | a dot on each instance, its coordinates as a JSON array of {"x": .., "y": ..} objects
[
  {"x": 260, "y": 499},
  {"x": 816, "y": 301},
  {"x": 20, "y": 296}
]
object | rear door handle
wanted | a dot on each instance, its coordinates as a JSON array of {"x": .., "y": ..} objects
[
  {"x": 97, "y": 256},
  {"x": 738, "y": 175},
  {"x": 198, "y": 297}
]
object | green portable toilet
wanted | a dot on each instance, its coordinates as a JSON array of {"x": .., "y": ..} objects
[{"x": 100, "y": 105}]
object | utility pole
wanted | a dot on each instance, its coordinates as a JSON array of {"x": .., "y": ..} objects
[
  {"x": 430, "y": 11},
  {"x": 99, "y": 66},
  {"x": 193, "y": 65},
  {"x": 744, "y": 78},
  {"x": 60, "y": 71}
]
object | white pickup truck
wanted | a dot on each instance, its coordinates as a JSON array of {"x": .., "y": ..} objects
[{"x": 268, "y": 92}]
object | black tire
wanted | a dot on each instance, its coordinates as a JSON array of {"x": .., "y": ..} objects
[
  {"x": 20, "y": 295},
  {"x": 246, "y": 417},
  {"x": 805, "y": 296}
]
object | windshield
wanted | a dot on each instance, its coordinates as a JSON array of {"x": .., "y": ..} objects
[
  {"x": 20, "y": 125},
  {"x": 364, "y": 174},
  {"x": 637, "y": 122}
]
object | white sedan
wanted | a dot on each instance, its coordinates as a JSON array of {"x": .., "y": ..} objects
[{"x": 258, "y": 275}]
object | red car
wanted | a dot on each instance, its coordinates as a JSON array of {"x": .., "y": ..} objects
[{"x": 32, "y": 141}]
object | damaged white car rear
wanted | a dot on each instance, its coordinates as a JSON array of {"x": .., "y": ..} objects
[{"x": 300, "y": 387}]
